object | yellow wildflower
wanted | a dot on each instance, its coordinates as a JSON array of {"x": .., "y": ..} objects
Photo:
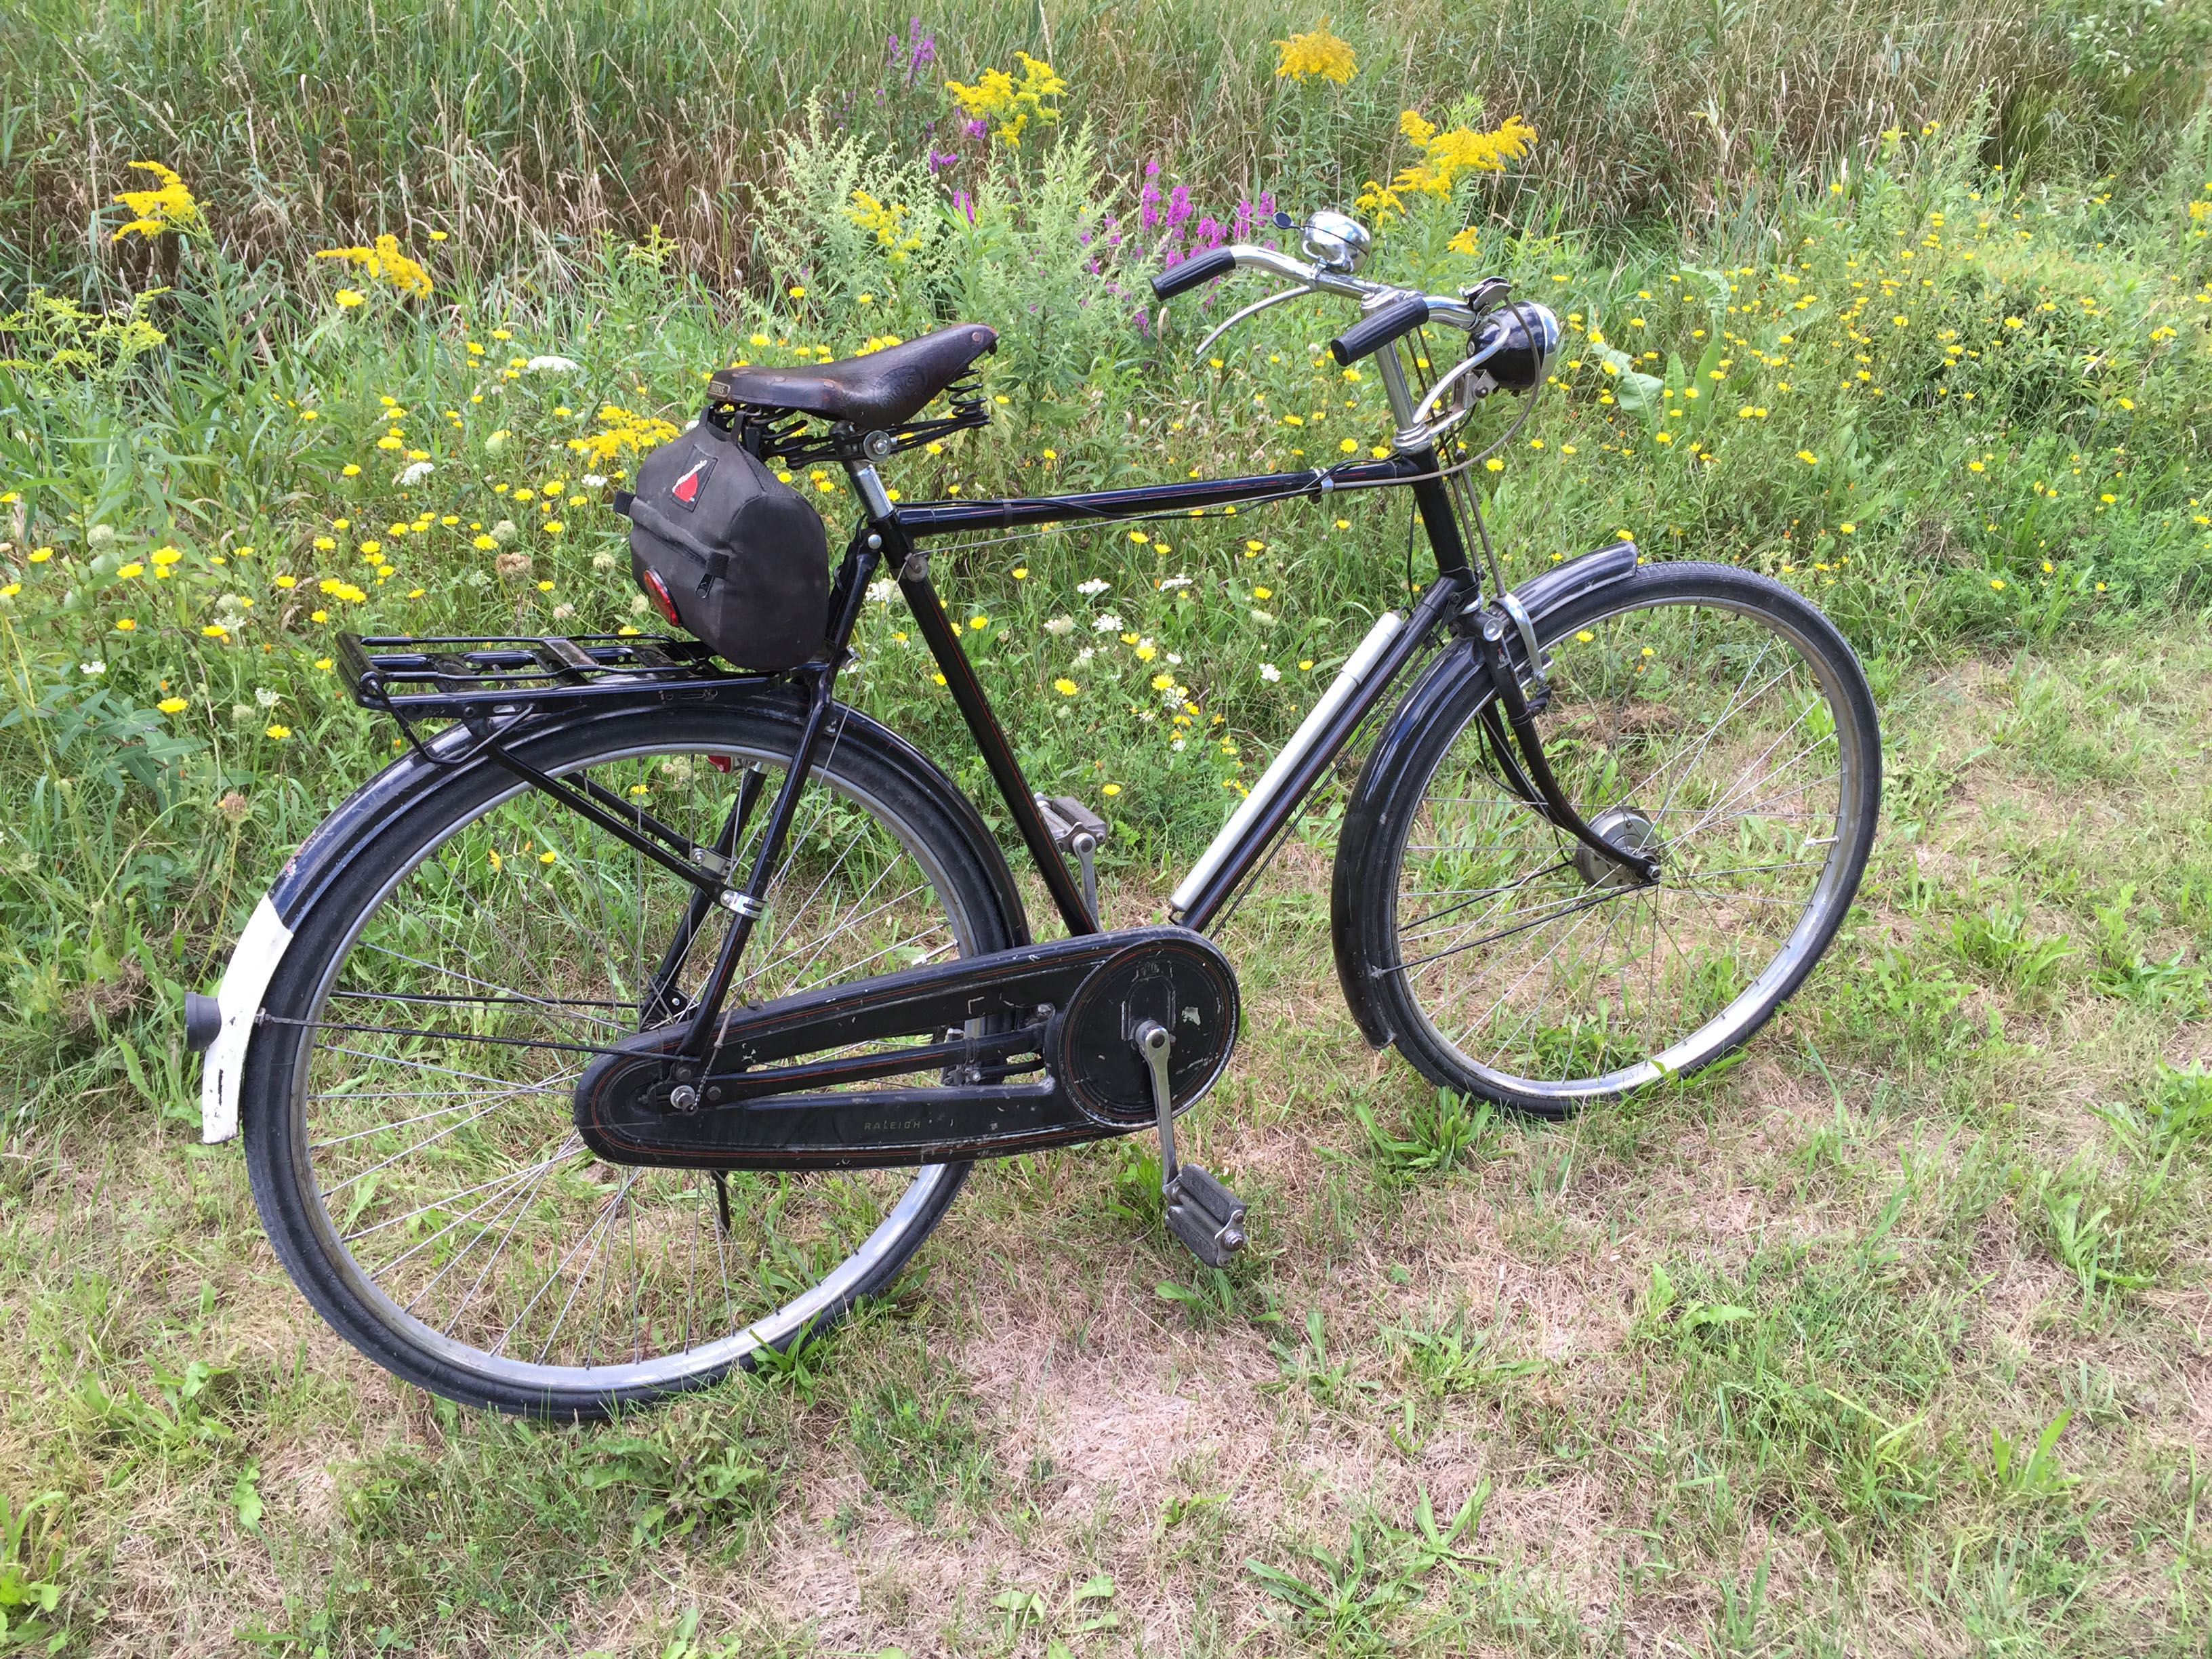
[
  {"x": 1446, "y": 155},
  {"x": 998, "y": 98},
  {"x": 386, "y": 261},
  {"x": 169, "y": 206},
  {"x": 1316, "y": 52}
]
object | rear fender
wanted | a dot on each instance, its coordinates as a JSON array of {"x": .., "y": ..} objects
[
  {"x": 1447, "y": 679},
  {"x": 328, "y": 854}
]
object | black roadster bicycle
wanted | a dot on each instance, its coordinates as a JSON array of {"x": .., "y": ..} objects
[{"x": 650, "y": 1011}]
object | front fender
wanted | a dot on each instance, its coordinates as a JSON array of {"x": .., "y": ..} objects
[
  {"x": 328, "y": 854},
  {"x": 1447, "y": 678}
]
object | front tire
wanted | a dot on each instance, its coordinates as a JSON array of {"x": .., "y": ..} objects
[
  {"x": 1706, "y": 708},
  {"x": 406, "y": 1106}
]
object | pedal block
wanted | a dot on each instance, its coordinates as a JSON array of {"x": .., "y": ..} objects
[{"x": 1206, "y": 1215}]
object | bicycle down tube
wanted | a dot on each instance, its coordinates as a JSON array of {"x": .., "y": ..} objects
[{"x": 1328, "y": 728}]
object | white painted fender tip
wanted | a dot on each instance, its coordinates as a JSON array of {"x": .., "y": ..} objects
[{"x": 244, "y": 983}]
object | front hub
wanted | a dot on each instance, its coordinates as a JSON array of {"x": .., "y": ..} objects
[{"x": 1625, "y": 827}]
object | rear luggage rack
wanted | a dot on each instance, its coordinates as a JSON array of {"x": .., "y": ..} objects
[{"x": 460, "y": 678}]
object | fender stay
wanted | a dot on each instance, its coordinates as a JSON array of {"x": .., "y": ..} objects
[
  {"x": 332, "y": 846},
  {"x": 1539, "y": 596}
]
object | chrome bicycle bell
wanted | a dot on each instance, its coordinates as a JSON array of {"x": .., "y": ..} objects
[{"x": 1336, "y": 241}]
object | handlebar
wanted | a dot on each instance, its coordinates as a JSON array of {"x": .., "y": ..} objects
[
  {"x": 1389, "y": 321},
  {"x": 1201, "y": 268},
  {"x": 1379, "y": 300}
]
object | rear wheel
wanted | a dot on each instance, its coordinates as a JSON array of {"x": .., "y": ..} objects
[
  {"x": 1697, "y": 710},
  {"x": 407, "y": 1101}
]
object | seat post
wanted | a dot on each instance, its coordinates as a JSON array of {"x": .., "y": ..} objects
[{"x": 870, "y": 485}]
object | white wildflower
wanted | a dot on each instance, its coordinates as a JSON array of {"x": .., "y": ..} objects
[
  {"x": 1265, "y": 619},
  {"x": 880, "y": 592},
  {"x": 1269, "y": 672},
  {"x": 1060, "y": 627},
  {"x": 563, "y": 612},
  {"x": 504, "y": 531},
  {"x": 1176, "y": 745},
  {"x": 1174, "y": 659},
  {"x": 100, "y": 534},
  {"x": 1168, "y": 583},
  {"x": 1106, "y": 622},
  {"x": 1095, "y": 584},
  {"x": 639, "y": 605},
  {"x": 93, "y": 667},
  {"x": 550, "y": 365},
  {"x": 413, "y": 473},
  {"x": 602, "y": 561},
  {"x": 265, "y": 697},
  {"x": 1085, "y": 655},
  {"x": 595, "y": 481}
]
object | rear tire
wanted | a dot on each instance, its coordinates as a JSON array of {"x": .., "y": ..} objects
[
  {"x": 1709, "y": 707},
  {"x": 429, "y": 1195}
]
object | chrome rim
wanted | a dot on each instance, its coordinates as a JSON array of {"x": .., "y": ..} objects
[
  {"x": 444, "y": 1177},
  {"x": 1710, "y": 731}
]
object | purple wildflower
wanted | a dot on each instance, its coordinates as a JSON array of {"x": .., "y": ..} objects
[
  {"x": 962, "y": 203},
  {"x": 1178, "y": 205},
  {"x": 941, "y": 159},
  {"x": 1210, "y": 232},
  {"x": 977, "y": 128},
  {"x": 921, "y": 48}
]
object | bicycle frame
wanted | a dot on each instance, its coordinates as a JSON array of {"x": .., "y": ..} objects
[{"x": 893, "y": 535}]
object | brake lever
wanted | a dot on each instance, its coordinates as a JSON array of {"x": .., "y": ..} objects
[{"x": 1252, "y": 310}]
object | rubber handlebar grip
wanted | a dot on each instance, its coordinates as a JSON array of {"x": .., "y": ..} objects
[
  {"x": 1193, "y": 272},
  {"x": 1378, "y": 328}
]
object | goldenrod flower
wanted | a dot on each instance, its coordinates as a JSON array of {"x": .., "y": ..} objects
[
  {"x": 1316, "y": 52},
  {"x": 997, "y": 97},
  {"x": 1445, "y": 155},
  {"x": 385, "y": 261},
  {"x": 169, "y": 206}
]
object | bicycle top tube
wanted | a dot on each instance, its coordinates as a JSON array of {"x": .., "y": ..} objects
[{"x": 940, "y": 518}]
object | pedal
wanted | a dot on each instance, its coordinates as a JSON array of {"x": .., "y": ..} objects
[
  {"x": 1075, "y": 828},
  {"x": 1206, "y": 1215},
  {"x": 1201, "y": 1212}
]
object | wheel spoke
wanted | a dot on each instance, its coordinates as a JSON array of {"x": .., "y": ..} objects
[
  {"x": 1694, "y": 716},
  {"x": 460, "y": 1198}
]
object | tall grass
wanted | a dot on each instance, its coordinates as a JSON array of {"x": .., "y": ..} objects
[{"x": 508, "y": 122}]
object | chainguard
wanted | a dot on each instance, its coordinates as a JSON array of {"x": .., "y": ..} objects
[{"x": 1022, "y": 1049}]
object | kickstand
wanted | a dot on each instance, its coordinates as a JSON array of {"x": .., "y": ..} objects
[
  {"x": 722, "y": 1200},
  {"x": 1201, "y": 1212}
]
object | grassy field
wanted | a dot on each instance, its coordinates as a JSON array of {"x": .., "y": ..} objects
[{"x": 1889, "y": 1338}]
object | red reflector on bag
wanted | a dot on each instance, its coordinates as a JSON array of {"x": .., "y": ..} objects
[
  {"x": 720, "y": 763},
  {"x": 657, "y": 591},
  {"x": 686, "y": 489}
]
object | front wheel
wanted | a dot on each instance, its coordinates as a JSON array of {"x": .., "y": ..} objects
[
  {"x": 406, "y": 1106},
  {"x": 1699, "y": 711}
]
